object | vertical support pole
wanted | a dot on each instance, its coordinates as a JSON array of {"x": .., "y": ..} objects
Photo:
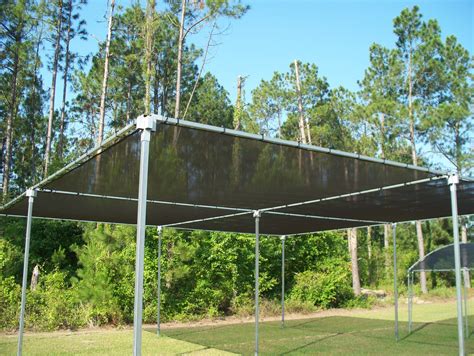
[
  {"x": 158, "y": 316},
  {"x": 453, "y": 181},
  {"x": 146, "y": 124},
  {"x": 466, "y": 325},
  {"x": 31, "y": 194},
  {"x": 256, "y": 215},
  {"x": 395, "y": 275},
  {"x": 283, "y": 281},
  {"x": 410, "y": 300}
]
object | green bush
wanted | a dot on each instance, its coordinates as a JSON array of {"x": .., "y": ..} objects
[
  {"x": 328, "y": 287},
  {"x": 53, "y": 305},
  {"x": 10, "y": 294}
]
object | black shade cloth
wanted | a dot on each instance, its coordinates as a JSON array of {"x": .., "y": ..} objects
[
  {"x": 197, "y": 165},
  {"x": 442, "y": 259}
]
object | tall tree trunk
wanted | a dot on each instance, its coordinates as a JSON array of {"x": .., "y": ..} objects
[
  {"x": 180, "y": 59},
  {"x": 129, "y": 101},
  {"x": 150, "y": 16},
  {"x": 52, "y": 94},
  {"x": 467, "y": 275},
  {"x": 10, "y": 118},
  {"x": 352, "y": 238},
  {"x": 103, "y": 96},
  {"x": 421, "y": 252},
  {"x": 458, "y": 159},
  {"x": 279, "y": 124},
  {"x": 369, "y": 254},
  {"x": 419, "y": 230},
  {"x": 369, "y": 242},
  {"x": 156, "y": 89},
  {"x": 387, "y": 227},
  {"x": 62, "y": 123},
  {"x": 300, "y": 105},
  {"x": 37, "y": 109},
  {"x": 164, "y": 89},
  {"x": 238, "y": 106},
  {"x": 386, "y": 244}
]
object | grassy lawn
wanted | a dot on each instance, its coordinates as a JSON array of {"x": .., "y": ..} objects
[
  {"x": 100, "y": 342},
  {"x": 354, "y": 332},
  {"x": 329, "y": 335},
  {"x": 359, "y": 332}
]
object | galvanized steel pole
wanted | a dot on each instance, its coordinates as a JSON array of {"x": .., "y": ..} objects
[
  {"x": 395, "y": 284},
  {"x": 31, "y": 194},
  {"x": 410, "y": 300},
  {"x": 158, "y": 307},
  {"x": 256, "y": 215},
  {"x": 282, "y": 281},
  {"x": 453, "y": 181},
  {"x": 466, "y": 325},
  {"x": 146, "y": 124}
]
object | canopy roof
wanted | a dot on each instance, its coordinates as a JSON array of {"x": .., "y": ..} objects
[
  {"x": 199, "y": 172},
  {"x": 442, "y": 259}
]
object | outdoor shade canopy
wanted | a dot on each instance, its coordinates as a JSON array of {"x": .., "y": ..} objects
[
  {"x": 213, "y": 178},
  {"x": 442, "y": 259},
  {"x": 169, "y": 172}
]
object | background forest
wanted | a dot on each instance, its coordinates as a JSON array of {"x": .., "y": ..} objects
[{"x": 416, "y": 93}]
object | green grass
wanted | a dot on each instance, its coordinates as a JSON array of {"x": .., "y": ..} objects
[
  {"x": 99, "y": 342},
  {"x": 352, "y": 332},
  {"x": 330, "y": 335},
  {"x": 358, "y": 332}
]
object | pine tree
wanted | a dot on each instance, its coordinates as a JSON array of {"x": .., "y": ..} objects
[
  {"x": 100, "y": 134},
  {"x": 16, "y": 21},
  {"x": 57, "y": 16}
]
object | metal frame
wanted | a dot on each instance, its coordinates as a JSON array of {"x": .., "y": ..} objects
[
  {"x": 395, "y": 278},
  {"x": 147, "y": 124},
  {"x": 453, "y": 181},
  {"x": 257, "y": 215},
  {"x": 158, "y": 303},
  {"x": 283, "y": 238},
  {"x": 461, "y": 297},
  {"x": 151, "y": 201},
  {"x": 31, "y": 194}
]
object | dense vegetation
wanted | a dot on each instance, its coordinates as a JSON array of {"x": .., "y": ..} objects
[{"x": 416, "y": 94}]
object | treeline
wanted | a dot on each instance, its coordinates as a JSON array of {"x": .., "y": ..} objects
[{"x": 414, "y": 105}]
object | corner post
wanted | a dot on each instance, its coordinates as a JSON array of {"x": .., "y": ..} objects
[
  {"x": 282, "y": 280},
  {"x": 395, "y": 275},
  {"x": 453, "y": 181},
  {"x": 158, "y": 316},
  {"x": 256, "y": 215},
  {"x": 31, "y": 194},
  {"x": 147, "y": 124}
]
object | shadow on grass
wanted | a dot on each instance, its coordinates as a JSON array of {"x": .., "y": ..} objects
[
  {"x": 309, "y": 344},
  {"x": 337, "y": 334}
]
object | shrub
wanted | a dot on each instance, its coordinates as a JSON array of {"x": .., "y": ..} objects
[
  {"x": 10, "y": 294},
  {"x": 53, "y": 305},
  {"x": 328, "y": 287}
]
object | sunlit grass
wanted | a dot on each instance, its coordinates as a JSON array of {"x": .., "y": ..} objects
[{"x": 352, "y": 332}]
